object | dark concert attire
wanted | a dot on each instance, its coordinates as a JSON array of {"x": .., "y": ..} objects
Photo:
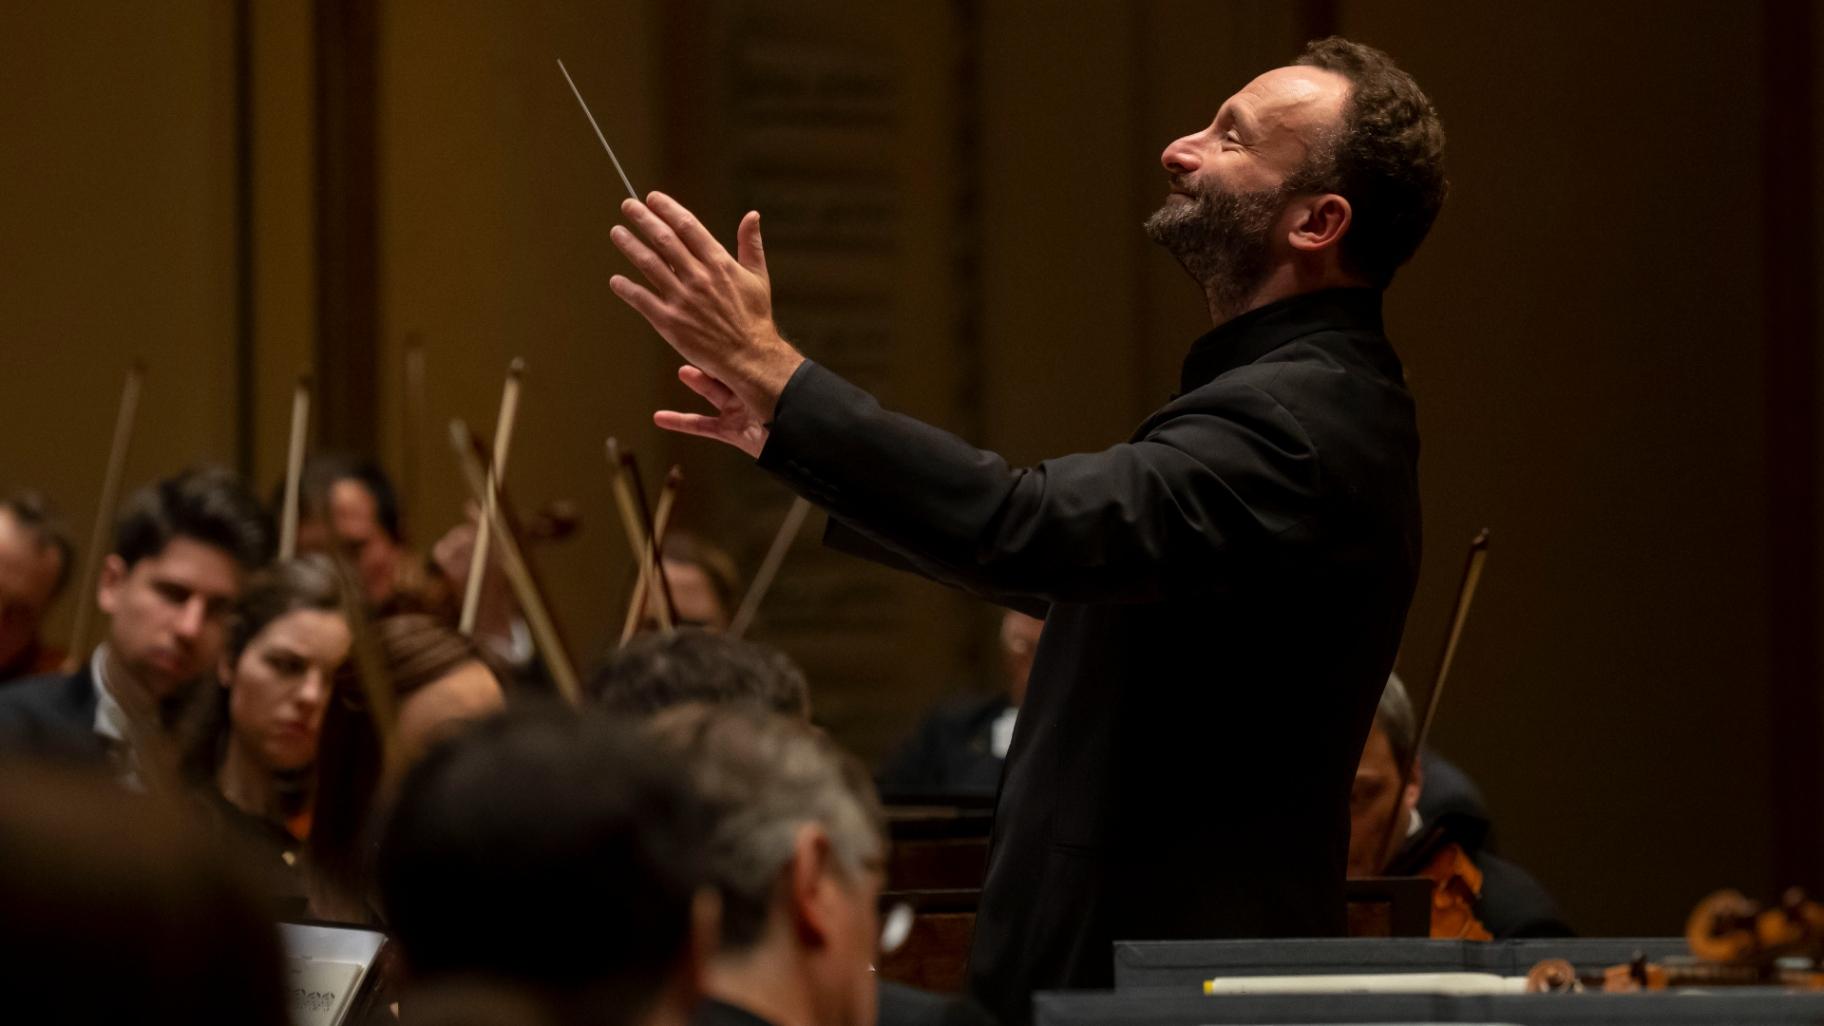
[
  {"x": 951, "y": 752},
  {"x": 898, "y": 1005},
  {"x": 716, "y": 1013},
  {"x": 52, "y": 717},
  {"x": 1223, "y": 592},
  {"x": 34, "y": 661},
  {"x": 1451, "y": 810}
]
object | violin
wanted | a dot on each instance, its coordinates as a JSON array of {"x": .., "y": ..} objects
[{"x": 1734, "y": 941}]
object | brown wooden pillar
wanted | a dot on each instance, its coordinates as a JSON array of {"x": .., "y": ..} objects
[{"x": 346, "y": 411}]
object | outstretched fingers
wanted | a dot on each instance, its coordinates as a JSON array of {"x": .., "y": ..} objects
[
  {"x": 689, "y": 423},
  {"x": 661, "y": 237},
  {"x": 748, "y": 247},
  {"x": 654, "y": 267},
  {"x": 688, "y": 229}
]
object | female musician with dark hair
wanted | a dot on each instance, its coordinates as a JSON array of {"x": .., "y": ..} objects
[
  {"x": 249, "y": 745},
  {"x": 439, "y": 683}
]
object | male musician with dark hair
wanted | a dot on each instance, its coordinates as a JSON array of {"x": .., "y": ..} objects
[
  {"x": 181, "y": 549},
  {"x": 554, "y": 855},
  {"x": 35, "y": 558},
  {"x": 1246, "y": 557}
]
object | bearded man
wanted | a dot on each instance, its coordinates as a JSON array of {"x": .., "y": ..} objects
[{"x": 1222, "y": 592}]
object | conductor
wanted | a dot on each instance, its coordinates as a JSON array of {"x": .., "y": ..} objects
[{"x": 1223, "y": 591}]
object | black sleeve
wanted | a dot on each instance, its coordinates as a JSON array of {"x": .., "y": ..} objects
[{"x": 1165, "y": 515}]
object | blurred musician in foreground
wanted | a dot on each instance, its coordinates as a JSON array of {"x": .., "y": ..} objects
[
  {"x": 181, "y": 549},
  {"x": 1246, "y": 558},
  {"x": 795, "y": 846},
  {"x": 35, "y": 559},
  {"x": 441, "y": 686},
  {"x": 117, "y": 911},
  {"x": 1434, "y": 826},
  {"x": 251, "y": 744},
  {"x": 960, "y": 747},
  {"x": 654, "y": 672},
  {"x": 553, "y": 856}
]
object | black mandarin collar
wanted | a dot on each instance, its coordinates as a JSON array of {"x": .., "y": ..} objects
[{"x": 1252, "y": 335}]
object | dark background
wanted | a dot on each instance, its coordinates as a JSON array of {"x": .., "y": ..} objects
[{"x": 1612, "y": 332}]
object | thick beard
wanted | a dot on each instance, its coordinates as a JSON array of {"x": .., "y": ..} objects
[{"x": 1222, "y": 240}]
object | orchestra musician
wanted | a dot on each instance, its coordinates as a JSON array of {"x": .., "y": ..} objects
[
  {"x": 35, "y": 561},
  {"x": 1434, "y": 825},
  {"x": 654, "y": 672},
  {"x": 1224, "y": 590},
  {"x": 250, "y": 745},
  {"x": 439, "y": 685},
  {"x": 350, "y": 501},
  {"x": 182, "y": 547},
  {"x": 794, "y": 842},
  {"x": 959, "y": 748},
  {"x": 703, "y": 582},
  {"x": 551, "y": 854}
]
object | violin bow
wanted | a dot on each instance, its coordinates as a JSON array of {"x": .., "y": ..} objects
[
  {"x": 630, "y": 500},
  {"x": 104, "y": 512},
  {"x": 497, "y": 472},
  {"x": 294, "y": 468},
  {"x": 474, "y": 458},
  {"x": 769, "y": 567},
  {"x": 1466, "y": 594},
  {"x": 661, "y": 524}
]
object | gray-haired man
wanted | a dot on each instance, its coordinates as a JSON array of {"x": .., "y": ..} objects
[{"x": 795, "y": 846}]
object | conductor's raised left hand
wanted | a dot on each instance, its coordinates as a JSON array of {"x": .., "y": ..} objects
[{"x": 716, "y": 310}]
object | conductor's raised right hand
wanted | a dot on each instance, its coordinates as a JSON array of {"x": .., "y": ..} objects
[{"x": 714, "y": 309}]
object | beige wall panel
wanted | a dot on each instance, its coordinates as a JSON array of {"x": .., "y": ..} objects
[
  {"x": 115, "y": 241},
  {"x": 495, "y": 204},
  {"x": 1058, "y": 157},
  {"x": 840, "y": 123},
  {"x": 1582, "y": 337},
  {"x": 284, "y": 224}
]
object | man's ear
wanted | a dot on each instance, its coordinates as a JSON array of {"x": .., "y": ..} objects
[
  {"x": 810, "y": 885},
  {"x": 1321, "y": 223},
  {"x": 1415, "y": 786},
  {"x": 114, "y": 572}
]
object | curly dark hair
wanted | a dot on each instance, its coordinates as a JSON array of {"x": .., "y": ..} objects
[{"x": 1387, "y": 159}]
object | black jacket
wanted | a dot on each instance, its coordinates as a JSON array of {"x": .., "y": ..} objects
[
  {"x": 52, "y": 717},
  {"x": 1226, "y": 592}
]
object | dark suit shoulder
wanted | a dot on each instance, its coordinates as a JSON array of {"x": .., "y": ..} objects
[
  {"x": 50, "y": 715},
  {"x": 1513, "y": 904}
]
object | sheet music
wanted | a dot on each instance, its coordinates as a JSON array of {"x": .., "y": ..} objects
[{"x": 319, "y": 993}]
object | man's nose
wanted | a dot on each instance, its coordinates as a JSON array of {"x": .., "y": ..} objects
[
  {"x": 1181, "y": 158},
  {"x": 191, "y": 619}
]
